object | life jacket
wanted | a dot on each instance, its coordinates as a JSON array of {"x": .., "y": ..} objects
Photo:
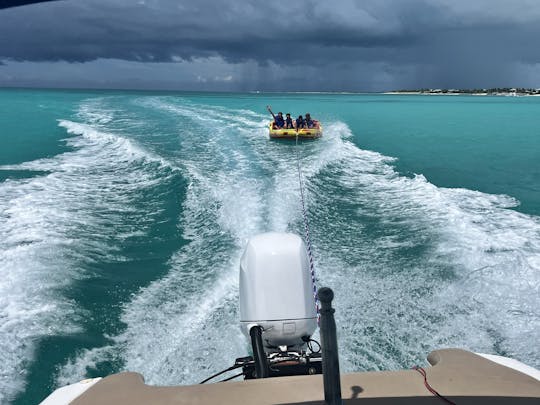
[
  {"x": 279, "y": 121},
  {"x": 288, "y": 121},
  {"x": 299, "y": 122},
  {"x": 310, "y": 123}
]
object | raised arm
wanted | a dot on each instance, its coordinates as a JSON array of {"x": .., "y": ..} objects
[{"x": 270, "y": 111}]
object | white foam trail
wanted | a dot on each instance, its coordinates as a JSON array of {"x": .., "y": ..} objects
[
  {"x": 51, "y": 225},
  {"x": 80, "y": 366},
  {"x": 471, "y": 278},
  {"x": 400, "y": 253},
  {"x": 238, "y": 187},
  {"x": 222, "y": 209}
]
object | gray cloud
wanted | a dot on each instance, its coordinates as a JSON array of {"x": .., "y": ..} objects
[
  {"x": 408, "y": 42},
  {"x": 161, "y": 31}
]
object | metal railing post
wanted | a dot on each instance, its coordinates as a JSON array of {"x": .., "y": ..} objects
[{"x": 330, "y": 359}]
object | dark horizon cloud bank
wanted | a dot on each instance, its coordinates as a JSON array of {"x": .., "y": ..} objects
[{"x": 369, "y": 45}]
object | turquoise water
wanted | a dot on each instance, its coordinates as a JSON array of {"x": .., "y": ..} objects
[{"x": 123, "y": 216}]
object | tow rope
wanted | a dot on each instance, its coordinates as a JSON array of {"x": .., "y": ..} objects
[{"x": 306, "y": 230}]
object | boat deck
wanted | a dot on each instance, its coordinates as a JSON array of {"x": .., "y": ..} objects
[{"x": 461, "y": 376}]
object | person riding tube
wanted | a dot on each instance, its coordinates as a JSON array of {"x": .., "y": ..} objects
[
  {"x": 288, "y": 121},
  {"x": 309, "y": 122},
  {"x": 300, "y": 123},
  {"x": 279, "y": 122}
]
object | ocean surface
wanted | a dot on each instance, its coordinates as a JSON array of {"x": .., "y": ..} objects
[{"x": 123, "y": 216}]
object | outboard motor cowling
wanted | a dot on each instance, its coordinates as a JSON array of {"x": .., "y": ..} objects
[{"x": 276, "y": 290}]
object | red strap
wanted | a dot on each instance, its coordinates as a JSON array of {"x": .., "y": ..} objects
[{"x": 430, "y": 389}]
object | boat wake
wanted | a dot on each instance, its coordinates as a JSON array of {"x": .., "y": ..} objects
[
  {"x": 55, "y": 230},
  {"x": 414, "y": 266}
]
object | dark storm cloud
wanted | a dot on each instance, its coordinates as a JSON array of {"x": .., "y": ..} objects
[
  {"x": 437, "y": 41},
  {"x": 157, "y": 31}
]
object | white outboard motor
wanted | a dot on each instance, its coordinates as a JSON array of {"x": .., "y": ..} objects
[{"x": 276, "y": 291}]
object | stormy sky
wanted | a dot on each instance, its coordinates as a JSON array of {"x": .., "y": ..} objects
[{"x": 298, "y": 45}]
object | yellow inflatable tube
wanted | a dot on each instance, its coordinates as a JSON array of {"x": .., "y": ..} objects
[{"x": 305, "y": 133}]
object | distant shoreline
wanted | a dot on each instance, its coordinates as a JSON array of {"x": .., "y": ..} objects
[
  {"x": 429, "y": 92},
  {"x": 505, "y": 92}
]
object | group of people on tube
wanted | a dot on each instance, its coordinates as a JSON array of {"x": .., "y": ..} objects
[{"x": 288, "y": 123}]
